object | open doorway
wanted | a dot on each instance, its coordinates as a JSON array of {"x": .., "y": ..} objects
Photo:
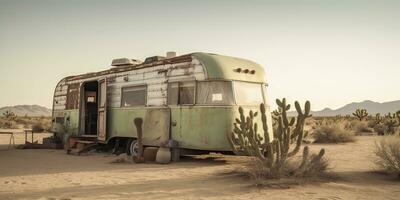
[{"x": 90, "y": 108}]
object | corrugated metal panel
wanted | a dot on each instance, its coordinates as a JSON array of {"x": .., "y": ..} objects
[
  {"x": 155, "y": 78},
  {"x": 60, "y": 107}
]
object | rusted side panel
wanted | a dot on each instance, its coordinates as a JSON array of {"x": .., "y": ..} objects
[
  {"x": 60, "y": 96},
  {"x": 155, "y": 126},
  {"x": 155, "y": 78},
  {"x": 175, "y": 60}
]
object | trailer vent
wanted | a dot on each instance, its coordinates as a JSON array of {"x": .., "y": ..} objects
[
  {"x": 153, "y": 59},
  {"x": 124, "y": 62}
]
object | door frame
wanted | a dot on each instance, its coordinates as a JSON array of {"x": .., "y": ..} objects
[{"x": 102, "y": 110}]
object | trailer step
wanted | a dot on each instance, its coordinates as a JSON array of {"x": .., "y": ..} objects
[{"x": 78, "y": 145}]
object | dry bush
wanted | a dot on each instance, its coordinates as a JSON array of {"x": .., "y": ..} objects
[
  {"x": 362, "y": 127},
  {"x": 38, "y": 127},
  {"x": 387, "y": 153},
  {"x": 258, "y": 172},
  {"x": 309, "y": 169},
  {"x": 371, "y": 123},
  {"x": 349, "y": 124},
  {"x": 332, "y": 134},
  {"x": 41, "y": 123},
  {"x": 380, "y": 129},
  {"x": 7, "y": 123}
]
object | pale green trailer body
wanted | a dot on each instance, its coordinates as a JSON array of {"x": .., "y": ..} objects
[{"x": 192, "y": 100}]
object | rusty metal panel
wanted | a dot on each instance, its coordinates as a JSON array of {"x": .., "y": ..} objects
[
  {"x": 155, "y": 123},
  {"x": 155, "y": 76},
  {"x": 156, "y": 126}
]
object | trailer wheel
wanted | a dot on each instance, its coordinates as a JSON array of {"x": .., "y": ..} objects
[{"x": 133, "y": 148}]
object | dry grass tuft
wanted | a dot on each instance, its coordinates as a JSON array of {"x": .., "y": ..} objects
[
  {"x": 38, "y": 127},
  {"x": 387, "y": 153},
  {"x": 332, "y": 134},
  {"x": 256, "y": 170},
  {"x": 362, "y": 128},
  {"x": 380, "y": 129}
]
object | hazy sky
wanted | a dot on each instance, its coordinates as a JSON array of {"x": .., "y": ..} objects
[{"x": 329, "y": 52}]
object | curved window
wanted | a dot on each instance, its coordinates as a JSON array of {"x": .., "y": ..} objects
[
  {"x": 248, "y": 93},
  {"x": 215, "y": 93}
]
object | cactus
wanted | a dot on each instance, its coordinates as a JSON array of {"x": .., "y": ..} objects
[
  {"x": 273, "y": 152},
  {"x": 378, "y": 119},
  {"x": 391, "y": 123},
  {"x": 398, "y": 117},
  {"x": 361, "y": 114},
  {"x": 9, "y": 114}
]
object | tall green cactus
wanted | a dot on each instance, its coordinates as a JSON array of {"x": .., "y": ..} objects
[
  {"x": 361, "y": 114},
  {"x": 273, "y": 152}
]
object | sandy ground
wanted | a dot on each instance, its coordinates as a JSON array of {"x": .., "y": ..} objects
[{"x": 51, "y": 174}]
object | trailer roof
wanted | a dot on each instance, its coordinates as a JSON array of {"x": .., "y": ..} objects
[
  {"x": 232, "y": 68},
  {"x": 217, "y": 67}
]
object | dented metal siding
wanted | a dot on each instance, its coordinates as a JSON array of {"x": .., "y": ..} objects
[
  {"x": 155, "y": 77},
  {"x": 60, "y": 96}
]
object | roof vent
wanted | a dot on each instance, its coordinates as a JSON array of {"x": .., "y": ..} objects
[
  {"x": 124, "y": 62},
  {"x": 171, "y": 54},
  {"x": 153, "y": 59}
]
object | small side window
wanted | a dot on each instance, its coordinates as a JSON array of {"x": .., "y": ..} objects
[
  {"x": 133, "y": 96},
  {"x": 181, "y": 93},
  {"x": 72, "y": 96}
]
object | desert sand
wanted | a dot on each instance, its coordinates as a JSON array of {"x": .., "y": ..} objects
[{"x": 52, "y": 174}]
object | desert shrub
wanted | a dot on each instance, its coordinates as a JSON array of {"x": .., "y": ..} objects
[
  {"x": 361, "y": 127},
  {"x": 312, "y": 166},
  {"x": 38, "y": 128},
  {"x": 380, "y": 129},
  {"x": 349, "y": 124},
  {"x": 8, "y": 125},
  {"x": 387, "y": 153},
  {"x": 24, "y": 121},
  {"x": 332, "y": 134},
  {"x": 371, "y": 124}
]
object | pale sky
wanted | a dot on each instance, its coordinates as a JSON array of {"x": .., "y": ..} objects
[{"x": 329, "y": 52}]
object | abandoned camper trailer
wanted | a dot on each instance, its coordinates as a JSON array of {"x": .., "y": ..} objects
[{"x": 188, "y": 103}]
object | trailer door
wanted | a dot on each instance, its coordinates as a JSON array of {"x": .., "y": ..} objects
[{"x": 102, "y": 111}]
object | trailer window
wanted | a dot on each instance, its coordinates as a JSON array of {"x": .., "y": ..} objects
[
  {"x": 72, "y": 96},
  {"x": 248, "y": 93},
  {"x": 133, "y": 96},
  {"x": 215, "y": 93},
  {"x": 180, "y": 93}
]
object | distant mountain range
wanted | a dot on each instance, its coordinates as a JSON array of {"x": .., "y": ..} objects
[
  {"x": 371, "y": 107},
  {"x": 29, "y": 110}
]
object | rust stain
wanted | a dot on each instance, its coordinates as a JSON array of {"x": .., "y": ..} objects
[{"x": 174, "y": 60}]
